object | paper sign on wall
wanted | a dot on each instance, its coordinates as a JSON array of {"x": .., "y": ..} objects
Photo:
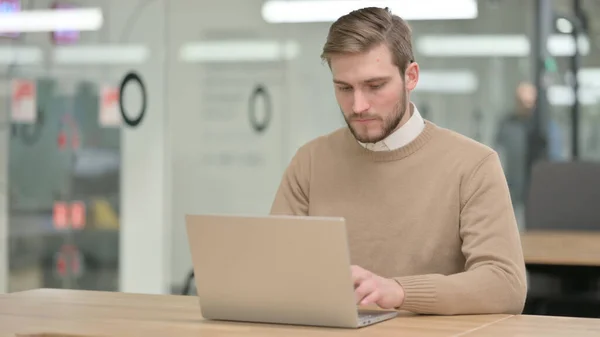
[
  {"x": 59, "y": 215},
  {"x": 23, "y": 101},
  {"x": 67, "y": 215},
  {"x": 109, "y": 112},
  {"x": 69, "y": 261},
  {"x": 78, "y": 215}
]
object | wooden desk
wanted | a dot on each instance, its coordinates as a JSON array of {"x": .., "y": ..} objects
[
  {"x": 530, "y": 326},
  {"x": 571, "y": 260},
  {"x": 561, "y": 248},
  {"x": 87, "y": 313}
]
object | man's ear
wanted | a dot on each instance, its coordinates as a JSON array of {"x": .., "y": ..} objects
[{"x": 411, "y": 76}]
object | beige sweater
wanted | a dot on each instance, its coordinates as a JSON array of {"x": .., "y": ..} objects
[{"x": 436, "y": 215}]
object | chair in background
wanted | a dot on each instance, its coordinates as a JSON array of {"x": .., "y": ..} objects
[
  {"x": 187, "y": 285},
  {"x": 564, "y": 196}
]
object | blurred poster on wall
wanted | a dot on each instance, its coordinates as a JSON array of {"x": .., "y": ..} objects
[
  {"x": 23, "y": 101},
  {"x": 240, "y": 129},
  {"x": 109, "y": 114},
  {"x": 240, "y": 117}
]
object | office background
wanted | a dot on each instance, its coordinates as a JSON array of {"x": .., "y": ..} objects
[{"x": 229, "y": 98}]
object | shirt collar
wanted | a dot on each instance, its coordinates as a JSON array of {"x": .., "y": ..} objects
[{"x": 401, "y": 137}]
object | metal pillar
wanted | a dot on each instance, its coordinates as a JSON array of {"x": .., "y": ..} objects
[
  {"x": 575, "y": 67},
  {"x": 537, "y": 138}
]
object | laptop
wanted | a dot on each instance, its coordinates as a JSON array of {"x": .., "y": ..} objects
[{"x": 276, "y": 269}]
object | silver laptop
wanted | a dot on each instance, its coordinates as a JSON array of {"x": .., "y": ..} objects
[{"x": 276, "y": 269}]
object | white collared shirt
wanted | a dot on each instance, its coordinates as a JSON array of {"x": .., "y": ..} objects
[{"x": 404, "y": 135}]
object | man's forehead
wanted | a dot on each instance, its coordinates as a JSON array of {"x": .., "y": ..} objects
[
  {"x": 364, "y": 73},
  {"x": 375, "y": 56},
  {"x": 362, "y": 67}
]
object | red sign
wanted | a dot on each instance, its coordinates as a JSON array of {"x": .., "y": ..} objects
[
  {"x": 109, "y": 112},
  {"x": 78, "y": 215},
  {"x": 61, "y": 265},
  {"x": 23, "y": 101},
  {"x": 65, "y": 215},
  {"x": 68, "y": 261},
  {"x": 60, "y": 215},
  {"x": 62, "y": 140},
  {"x": 69, "y": 133}
]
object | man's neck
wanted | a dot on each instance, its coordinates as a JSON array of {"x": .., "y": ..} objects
[{"x": 408, "y": 113}]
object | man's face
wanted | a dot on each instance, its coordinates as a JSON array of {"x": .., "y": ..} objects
[
  {"x": 527, "y": 95},
  {"x": 372, "y": 93}
]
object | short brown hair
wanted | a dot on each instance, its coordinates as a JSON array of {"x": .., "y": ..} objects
[{"x": 363, "y": 29}]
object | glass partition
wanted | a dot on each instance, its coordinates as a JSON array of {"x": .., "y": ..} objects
[{"x": 62, "y": 95}]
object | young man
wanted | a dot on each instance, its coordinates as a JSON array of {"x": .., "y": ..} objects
[{"x": 430, "y": 222}]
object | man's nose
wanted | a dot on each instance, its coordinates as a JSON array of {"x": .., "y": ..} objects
[{"x": 360, "y": 102}]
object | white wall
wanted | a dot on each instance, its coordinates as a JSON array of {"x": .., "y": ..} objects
[
  {"x": 145, "y": 175},
  {"x": 4, "y": 134},
  {"x": 219, "y": 165}
]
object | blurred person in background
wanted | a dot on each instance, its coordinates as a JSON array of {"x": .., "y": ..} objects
[{"x": 512, "y": 143}]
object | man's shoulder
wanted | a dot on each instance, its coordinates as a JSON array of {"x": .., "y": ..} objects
[
  {"x": 326, "y": 142},
  {"x": 466, "y": 149}
]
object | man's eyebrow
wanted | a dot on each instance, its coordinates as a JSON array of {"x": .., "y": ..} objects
[
  {"x": 339, "y": 82},
  {"x": 378, "y": 79},
  {"x": 370, "y": 80}
]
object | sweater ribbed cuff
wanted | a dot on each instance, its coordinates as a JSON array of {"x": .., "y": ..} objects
[{"x": 420, "y": 295}]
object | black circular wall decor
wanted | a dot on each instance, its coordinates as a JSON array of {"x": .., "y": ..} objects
[
  {"x": 133, "y": 77},
  {"x": 260, "y": 126}
]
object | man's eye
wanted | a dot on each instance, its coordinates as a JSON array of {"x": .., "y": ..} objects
[
  {"x": 377, "y": 86},
  {"x": 345, "y": 88}
]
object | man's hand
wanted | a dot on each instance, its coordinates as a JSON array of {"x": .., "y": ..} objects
[{"x": 370, "y": 288}]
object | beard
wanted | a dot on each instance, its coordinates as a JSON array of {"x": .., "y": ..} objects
[{"x": 389, "y": 124}]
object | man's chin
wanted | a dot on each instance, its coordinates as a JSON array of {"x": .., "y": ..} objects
[
  {"x": 364, "y": 136},
  {"x": 366, "y": 139}
]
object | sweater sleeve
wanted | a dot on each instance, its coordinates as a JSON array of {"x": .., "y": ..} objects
[
  {"x": 494, "y": 279},
  {"x": 291, "y": 197}
]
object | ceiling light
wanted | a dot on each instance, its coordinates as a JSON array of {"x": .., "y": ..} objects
[
  {"x": 239, "y": 51},
  {"x": 495, "y": 45},
  {"x": 447, "y": 81},
  {"x": 101, "y": 54},
  {"x": 562, "y": 95},
  {"x": 285, "y": 11},
  {"x": 564, "y": 45},
  {"x": 564, "y": 26},
  {"x": 51, "y": 20},
  {"x": 473, "y": 45},
  {"x": 589, "y": 77}
]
